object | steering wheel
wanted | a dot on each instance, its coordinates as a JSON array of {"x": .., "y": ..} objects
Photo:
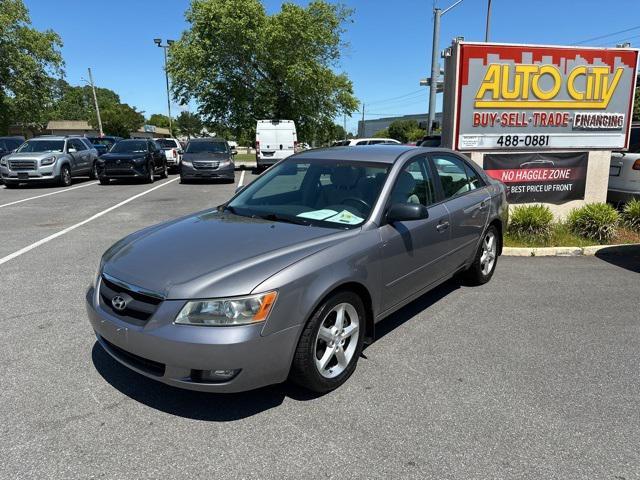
[{"x": 358, "y": 203}]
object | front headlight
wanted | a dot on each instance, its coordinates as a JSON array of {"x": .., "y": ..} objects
[
  {"x": 226, "y": 163},
  {"x": 47, "y": 161},
  {"x": 3, "y": 161},
  {"x": 224, "y": 312}
]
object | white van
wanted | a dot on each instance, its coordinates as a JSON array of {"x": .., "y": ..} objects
[
  {"x": 624, "y": 171},
  {"x": 275, "y": 140}
]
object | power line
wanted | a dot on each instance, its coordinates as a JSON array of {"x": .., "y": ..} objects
[
  {"x": 606, "y": 36},
  {"x": 395, "y": 98}
]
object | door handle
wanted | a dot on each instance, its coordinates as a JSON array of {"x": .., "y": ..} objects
[
  {"x": 484, "y": 204},
  {"x": 442, "y": 226}
]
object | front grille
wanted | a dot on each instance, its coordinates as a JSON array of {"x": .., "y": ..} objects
[
  {"x": 119, "y": 169},
  {"x": 141, "y": 363},
  {"x": 140, "y": 306},
  {"x": 22, "y": 164},
  {"x": 206, "y": 165}
]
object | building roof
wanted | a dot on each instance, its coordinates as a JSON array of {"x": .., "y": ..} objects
[{"x": 69, "y": 125}]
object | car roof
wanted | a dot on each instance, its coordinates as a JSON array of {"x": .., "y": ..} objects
[
  {"x": 207, "y": 139},
  {"x": 366, "y": 153}
]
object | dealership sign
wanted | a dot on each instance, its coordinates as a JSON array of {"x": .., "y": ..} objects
[
  {"x": 539, "y": 177},
  {"x": 541, "y": 98}
]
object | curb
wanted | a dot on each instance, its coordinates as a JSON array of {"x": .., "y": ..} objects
[{"x": 565, "y": 251}]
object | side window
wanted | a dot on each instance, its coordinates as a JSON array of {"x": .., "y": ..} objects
[
  {"x": 362, "y": 142},
  {"x": 456, "y": 177},
  {"x": 78, "y": 145},
  {"x": 414, "y": 184}
]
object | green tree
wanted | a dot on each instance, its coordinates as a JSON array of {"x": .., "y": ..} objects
[
  {"x": 29, "y": 59},
  {"x": 405, "y": 130},
  {"x": 189, "y": 124},
  {"x": 76, "y": 103},
  {"x": 119, "y": 119},
  {"x": 241, "y": 64},
  {"x": 384, "y": 133},
  {"x": 159, "y": 120}
]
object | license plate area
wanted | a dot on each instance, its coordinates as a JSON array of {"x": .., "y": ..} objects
[
  {"x": 23, "y": 176},
  {"x": 614, "y": 171}
]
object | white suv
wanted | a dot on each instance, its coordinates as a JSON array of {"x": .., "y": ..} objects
[
  {"x": 624, "y": 171},
  {"x": 172, "y": 150},
  {"x": 357, "y": 142}
]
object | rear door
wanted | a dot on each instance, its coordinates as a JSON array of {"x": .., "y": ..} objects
[
  {"x": 414, "y": 253},
  {"x": 467, "y": 200}
]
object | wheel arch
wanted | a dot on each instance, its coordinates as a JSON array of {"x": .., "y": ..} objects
[{"x": 497, "y": 222}]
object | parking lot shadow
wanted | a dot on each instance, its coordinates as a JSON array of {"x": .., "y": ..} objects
[
  {"x": 412, "y": 309},
  {"x": 624, "y": 256},
  {"x": 45, "y": 185},
  {"x": 213, "y": 407}
]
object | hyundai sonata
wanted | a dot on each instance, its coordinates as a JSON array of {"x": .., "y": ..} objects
[{"x": 288, "y": 279}]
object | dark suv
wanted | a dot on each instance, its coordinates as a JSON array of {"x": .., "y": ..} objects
[{"x": 136, "y": 158}]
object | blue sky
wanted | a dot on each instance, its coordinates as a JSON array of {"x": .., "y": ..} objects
[{"x": 389, "y": 40}]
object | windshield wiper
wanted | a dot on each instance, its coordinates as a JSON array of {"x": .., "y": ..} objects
[{"x": 283, "y": 219}]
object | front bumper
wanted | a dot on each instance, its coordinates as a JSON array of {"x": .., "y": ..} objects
[
  {"x": 622, "y": 196},
  {"x": 41, "y": 174},
  {"x": 122, "y": 171},
  {"x": 188, "y": 171},
  {"x": 170, "y": 353}
]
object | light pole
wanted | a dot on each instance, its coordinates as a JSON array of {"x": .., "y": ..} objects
[
  {"x": 158, "y": 42},
  {"x": 435, "y": 67},
  {"x": 486, "y": 31}
]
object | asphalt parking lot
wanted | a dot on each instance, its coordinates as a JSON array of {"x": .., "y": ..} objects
[{"x": 534, "y": 375}]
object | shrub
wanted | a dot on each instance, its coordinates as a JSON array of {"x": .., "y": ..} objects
[
  {"x": 631, "y": 214},
  {"x": 596, "y": 221},
  {"x": 531, "y": 220}
]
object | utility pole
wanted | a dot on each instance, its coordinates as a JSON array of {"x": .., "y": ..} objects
[
  {"x": 435, "y": 65},
  {"x": 158, "y": 42},
  {"x": 362, "y": 122},
  {"x": 344, "y": 125},
  {"x": 486, "y": 31},
  {"x": 95, "y": 100}
]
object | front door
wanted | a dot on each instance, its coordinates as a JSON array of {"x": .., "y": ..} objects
[
  {"x": 413, "y": 253},
  {"x": 466, "y": 198}
]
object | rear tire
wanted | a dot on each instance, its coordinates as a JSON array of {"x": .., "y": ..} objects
[
  {"x": 165, "y": 172},
  {"x": 104, "y": 181},
  {"x": 93, "y": 175},
  {"x": 65, "y": 176},
  {"x": 486, "y": 259},
  {"x": 325, "y": 359}
]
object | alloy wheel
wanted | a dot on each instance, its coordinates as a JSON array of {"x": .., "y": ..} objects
[
  {"x": 489, "y": 251},
  {"x": 66, "y": 176},
  {"x": 337, "y": 340}
]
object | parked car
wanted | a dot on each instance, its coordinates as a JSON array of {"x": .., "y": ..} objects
[
  {"x": 136, "y": 158},
  {"x": 275, "y": 140},
  {"x": 49, "y": 158},
  {"x": 359, "y": 142},
  {"x": 289, "y": 277},
  {"x": 207, "y": 158},
  {"x": 103, "y": 144},
  {"x": 233, "y": 145},
  {"x": 430, "y": 141},
  {"x": 173, "y": 151},
  {"x": 624, "y": 171},
  {"x": 9, "y": 144}
]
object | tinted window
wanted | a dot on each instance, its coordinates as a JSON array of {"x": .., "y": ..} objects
[
  {"x": 634, "y": 140},
  {"x": 362, "y": 142},
  {"x": 210, "y": 147},
  {"x": 456, "y": 177},
  {"x": 107, "y": 142},
  {"x": 165, "y": 143},
  {"x": 77, "y": 144},
  {"x": 42, "y": 146},
  {"x": 130, "y": 146},
  {"x": 413, "y": 185}
]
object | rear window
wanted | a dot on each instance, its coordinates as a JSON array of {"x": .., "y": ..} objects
[
  {"x": 164, "y": 143},
  {"x": 208, "y": 147}
]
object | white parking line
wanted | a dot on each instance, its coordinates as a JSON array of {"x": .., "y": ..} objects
[
  {"x": 241, "y": 182},
  {"x": 84, "y": 222},
  {"x": 47, "y": 194}
]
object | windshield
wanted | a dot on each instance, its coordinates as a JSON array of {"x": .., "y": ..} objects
[
  {"x": 130, "y": 146},
  {"x": 209, "y": 147},
  {"x": 327, "y": 193},
  {"x": 166, "y": 143},
  {"x": 42, "y": 146}
]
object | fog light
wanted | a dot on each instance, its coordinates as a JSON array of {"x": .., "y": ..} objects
[{"x": 213, "y": 376}]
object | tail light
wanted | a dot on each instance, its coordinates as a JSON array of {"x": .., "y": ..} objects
[
  {"x": 257, "y": 146},
  {"x": 636, "y": 164},
  {"x": 175, "y": 153}
]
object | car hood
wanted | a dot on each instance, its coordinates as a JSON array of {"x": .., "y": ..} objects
[
  {"x": 205, "y": 156},
  {"x": 33, "y": 155},
  {"x": 213, "y": 254},
  {"x": 121, "y": 156}
]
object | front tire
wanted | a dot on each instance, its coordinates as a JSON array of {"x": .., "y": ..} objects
[
  {"x": 165, "y": 172},
  {"x": 65, "y": 176},
  {"x": 93, "y": 175},
  {"x": 486, "y": 259},
  {"x": 9, "y": 184},
  {"x": 104, "y": 181},
  {"x": 330, "y": 344},
  {"x": 150, "y": 174}
]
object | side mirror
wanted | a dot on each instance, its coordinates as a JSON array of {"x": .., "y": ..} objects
[
  {"x": 234, "y": 152},
  {"x": 406, "y": 212},
  {"x": 72, "y": 150}
]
